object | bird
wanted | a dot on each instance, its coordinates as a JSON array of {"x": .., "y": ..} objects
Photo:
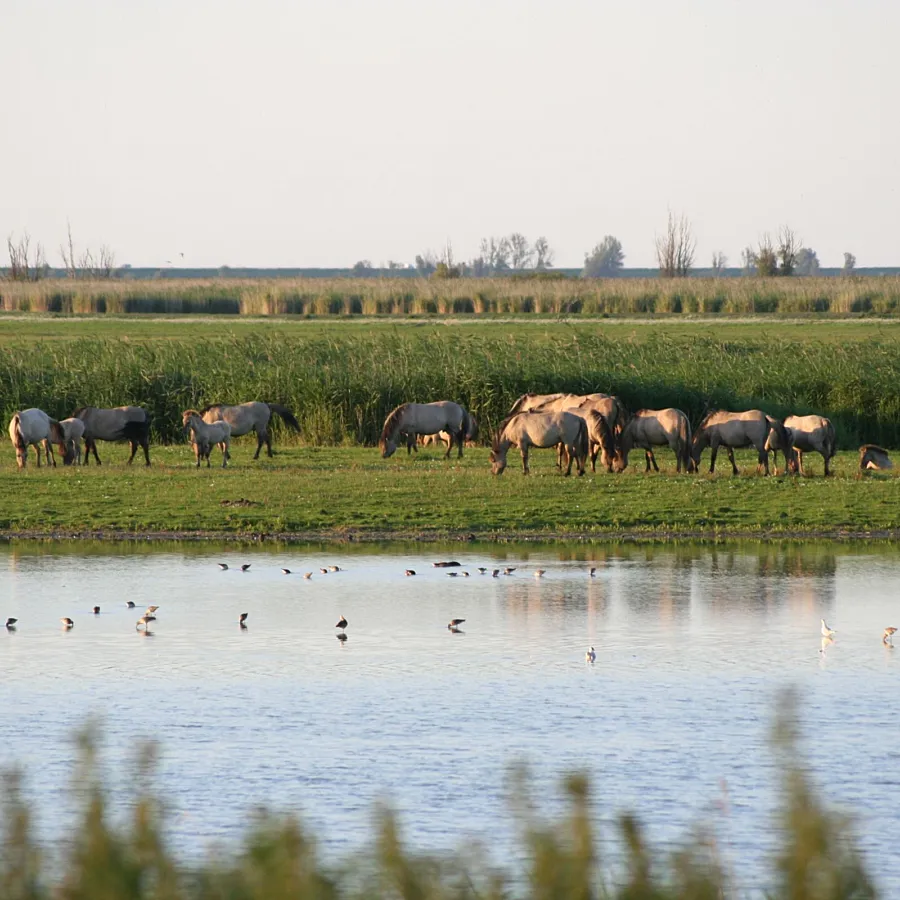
[
  {"x": 464, "y": 574},
  {"x": 245, "y": 567},
  {"x": 590, "y": 656},
  {"x": 342, "y": 623},
  {"x": 455, "y": 623},
  {"x": 96, "y": 610},
  {"x": 539, "y": 573},
  {"x": 509, "y": 570},
  {"x": 335, "y": 569},
  {"x": 481, "y": 570},
  {"x": 495, "y": 573},
  {"x": 452, "y": 574},
  {"x": 145, "y": 621},
  {"x": 67, "y": 622},
  {"x": 130, "y": 604},
  {"x": 223, "y": 567},
  {"x": 150, "y": 610},
  {"x": 593, "y": 572},
  {"x": 307, "y": 575},
  {"x": 887, "y": 638},
  {"x": 445, "y": 565},
  {"x": 285, "y": 571},
  {"x": 323, "y": 570},
  {"x": 409, "y": 572},
  {"x": 10, "y": 622},
  {"x": 243, "y": 619},
  {"x": 826, "y": 631}
]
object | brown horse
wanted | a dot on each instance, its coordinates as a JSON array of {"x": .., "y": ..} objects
[
  {"x": 871, "y": 456},
  {"x": 122, "y": 423},
  {"x": 600, "y": 438},
  {"x": 649, "y": 428},
  {"x": 34, "y": 426},
  {"x": 738, "y": 429},
  {"x": 526, "y": 430},
  {"x": 254, "y": 415},
  {"x": 411, "y": 419},
  {"x": 807, "y": 434}
]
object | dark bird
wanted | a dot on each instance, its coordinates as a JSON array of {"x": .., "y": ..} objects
[
  {"x": 96, "y": 610},
  {"x": 464, "y": 574},
  {"x": 323, "y": 570},
  {"x": 335, "y": 569},
  {"x": 145, "y": 621},
  {"x": 455, "y": 623},
  {"x": 481, "y": 570},
  {"x": 67, "y": 622},
  {"x": 11, "y": 622},
  {"x": 342, "y": 623},
  {"x": 130, "y": 604},
  {"x": 495, "y": 573},
  {"x": 308, "y": 575},
  {"x": 223, "y": 567},
  {"x": 593, "y": 571},
  {"x": 452, "y": 574},
  {"x": 243, "y": 619},
  {"x": 446, "y": 565},
  {"x": 245, "y": 567},
  {"x": 509, "y": 570},
  {"x": 409, "y": 572},
  {"x": 285, "y": 571},
  {"x": 590, "y": 656}
]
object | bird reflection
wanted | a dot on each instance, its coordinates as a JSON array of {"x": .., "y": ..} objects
[
  {"x": 342, "y": 638},
  {"x": 826, "y": 643},
  {"x": 455, "y": 629}
]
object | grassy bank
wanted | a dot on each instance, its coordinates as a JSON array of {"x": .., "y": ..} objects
[
  {"x": 469, "y": 296},
  {"x": 816, "y": 859},
  {"x": 342, "y": 379},
  {"x": 341, "y": 492}
]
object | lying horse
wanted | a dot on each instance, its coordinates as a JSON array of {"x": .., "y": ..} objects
[
  {"x": 34, "y": 426},
  {"x": 204, "y": 437},
  {"x": 738, "y": 429},
  {"x": 122, "y": 423},
  {"x": 73, "y": 432},
  {"x": 251, "y": 416},
  {"x": 649, "y": 428},
  {"x": 413, "y": 419},
  {"x": 530, "y": 429},
  {"x": 807, "y": 434},
  {"x": 871, "y": 456}
]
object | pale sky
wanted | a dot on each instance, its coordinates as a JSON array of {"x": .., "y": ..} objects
[{"x": 313, "y": 133}]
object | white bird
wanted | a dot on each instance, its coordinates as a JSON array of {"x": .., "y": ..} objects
[
  {"x": 826, "y": 631},
  {"x": 590, "y": 656}
]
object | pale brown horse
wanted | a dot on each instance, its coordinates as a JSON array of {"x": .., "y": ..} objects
[
  {"x": 254, "y": 415},
  {"x": 411, "y": 419},
  {"x": 735, "y": 430},
  {"x": 600, "y": 438},
  {"x": 34, "y": 426},
  {"x": 807, "y": 434},
  {"x": 122, "y": 423},
  {"x": 530, "y": 429},
  {"x": 649, "y": 428}
]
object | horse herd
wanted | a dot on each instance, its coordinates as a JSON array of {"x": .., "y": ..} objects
[
  {"x": 583, "y": 427},
  {"x": 580, "y": 427}
]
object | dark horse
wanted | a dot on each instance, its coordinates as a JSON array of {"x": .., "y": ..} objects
[{"x": 123, "y": 423}]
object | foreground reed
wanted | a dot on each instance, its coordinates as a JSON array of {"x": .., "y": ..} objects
[
  {"x": 277, "y": 859},
  {"x": 468, "y": 296}
]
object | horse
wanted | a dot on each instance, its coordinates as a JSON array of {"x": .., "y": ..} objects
[
  {"x": 251, "y": 416},
  {"x": 738, "y": 429},
  {"x": 530, "y": 429},
  {"x": 204, "y": 436},
  {"x": 530, "y": 402},
  {"x": 73, "y": 432},
  {"x": 600, "y": 438},
  {"x": 34, "y": 426},
  {"x": 447, "y": 438},
  {"x": 413, "y": 419},
  {"x": 871, "y": 456},
  {"x": 807, "y": 434},
  {"x": 122, "y": 423},
  {"x": 649, "y": 428}
]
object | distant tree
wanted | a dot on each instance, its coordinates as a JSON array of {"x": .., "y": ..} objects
[
  {"x": 25, "y": 263},
  {"x": 788, "y": 248},
  {"x": 766, "y": 258},
  {"x": 543, "y": 254},
  {"x": 807, "y": 262},
  {"x": 604, "y": 260},
  {"x": 675, "y": 249},
  {"x": 719, "y": 262},
  {"x": 443, "y": 270},
  {"x": 393, "y": 265},
  {"x": 748, "y": 261},
  {"x": 362, "y": 268},
  {"x": 496, "y": 253},
  {"x": 520, "y": 251},
  {"x": 426, "y": 263},
  {"x": 849, "y": 264}
]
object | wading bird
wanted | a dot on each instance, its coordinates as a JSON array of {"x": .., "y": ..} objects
[
  {"x": 243, "y": 620},
  {"x": 481, "y": 570},
  {"x": 495, "y": 573},
  {"x": 130, "y": 604},
  {"x": 590, "y": 656},
  {"x": 509, "y": 570},
  {"x": 150, "y": 610},
  {"x": 223, "y": 567},
  {"x": 67, "y": 622},
  {"x": 342, "y": 623},
  {"x": 96, "y": 610},
  {"x": 245, "y": 567},
  {"x": 285, "y": 571},
  {"x": 539, "y": 573},
  {"x": 10, "y": 623},
  {"x": 335, "y": 569},
  {"x": 826, "y": 631},
  {"x": 307, "y": 575},
  {"x": 455, "y": 623},
  {"x": 145, "y": 621},
  {"x": 409, "y": 572},
  {"x": 593, "y": 571},
  {"x": 324, "y": 571},
  {"x": 887, "y": 638}
]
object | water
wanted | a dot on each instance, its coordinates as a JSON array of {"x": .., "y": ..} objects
[{"x": 673, "y": 720}]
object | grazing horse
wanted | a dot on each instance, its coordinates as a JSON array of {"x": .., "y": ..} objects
[
  {"x": 251, "y": 416},
  {"x": 871, "y": 456},
  {"x": 34, "y": 426},
  {"x": 600, "y": 437},
  {"x": 530, "y": 429},
  {"x": 530, "y": 402},
  {"x": 447, "y": 438},
  {"x": 204, "y": 436},
  {"x": 73, "y": 432},
  {"x": 738, "y": 429},
  {"x": 649, "y": 428},
  {"x": 413, "y": 419},
  {"x": 807, "y": 434},
  {"x": 122, "y": 423}
]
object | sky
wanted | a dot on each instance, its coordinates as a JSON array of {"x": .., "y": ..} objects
[{"x": 322, "y": 132}]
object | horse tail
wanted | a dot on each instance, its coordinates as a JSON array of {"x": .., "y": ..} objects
[
  {"x": 581, "y": 440},
  {"x": 15, "y": 432},
  {"x": 830, "y": 439},
  {"x": 286, "y": 415},
  {"x": 684, "y": 434},
  {"x": 471, "y": 426}
]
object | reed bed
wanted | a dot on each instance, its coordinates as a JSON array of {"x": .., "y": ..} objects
[
  {"x": 342, "y": 384},
  {"x": 468, "y": 296},
  {"x": 111, "y": 858}
]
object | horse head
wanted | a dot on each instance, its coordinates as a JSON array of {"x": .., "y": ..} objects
[
  {"x": 388, "y": 447},
  {"x": 498, "y": 459}
]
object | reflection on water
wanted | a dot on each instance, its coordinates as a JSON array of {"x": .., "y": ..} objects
[{"x": 693, "y": 644}]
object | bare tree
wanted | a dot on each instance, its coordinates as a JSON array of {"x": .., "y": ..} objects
[
  {"x": 849, "y": 264},
  {"x": 496, "y": 252},
  {"x": 719, "y": 262},
  {"x": 543, "y": 254},
  {"x": 766, "y": 258},
  {"x": 426, "y": 262},
  {"x": 67, "y": 251},
  {"x": 788, "y": 248},
  {"x": 748, "y": 261},
  {"x": 520, "y": 251},
  {"x": 86, "y": 264},
  {"x": 25, "y": 264},
  {"x": 675, "y": 250}
]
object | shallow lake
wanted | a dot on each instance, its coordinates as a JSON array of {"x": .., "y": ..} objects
[{"x": 673, "y": 721}]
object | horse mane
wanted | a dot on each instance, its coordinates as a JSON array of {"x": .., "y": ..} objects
[
  {"x": 80, "y": 410},
  {"x": 392, "y": 422},
  {"x": 867, "y": 447},
  {"x": 707, "y": 417},
  {"x": 192, "y": 412},
  {"x": 495, "y": 444},
  {"x": 206, "y": 409},
  {"x": 515, "y": 407}
]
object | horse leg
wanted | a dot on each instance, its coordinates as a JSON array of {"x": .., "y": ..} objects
[
  {"x": 94, "y": 448},
  {"x": 764, "y": 461},
  {"x": 269, "y": 444},
  {"x": 146, "y": 445},
  {"x": 800, "y": 463},
  {"x": 652, "y": 457},
  {"x": 134, "y": 446},
  {"x": 460, "y": 440},
  {"x": 570, "y": 453},
  {"x": 259, "y": 443},
  {"x": 713, "y": 452},
  {"x": 826, "y": 458},
  {"x": 524, "y": 451},
  {"x": 51, "y": 456},
  {"x": 734, "y": 468},
  {"x": 595, "y": 450}
]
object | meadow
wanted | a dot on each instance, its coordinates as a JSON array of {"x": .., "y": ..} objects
[{"x": 538, "y": 296}]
